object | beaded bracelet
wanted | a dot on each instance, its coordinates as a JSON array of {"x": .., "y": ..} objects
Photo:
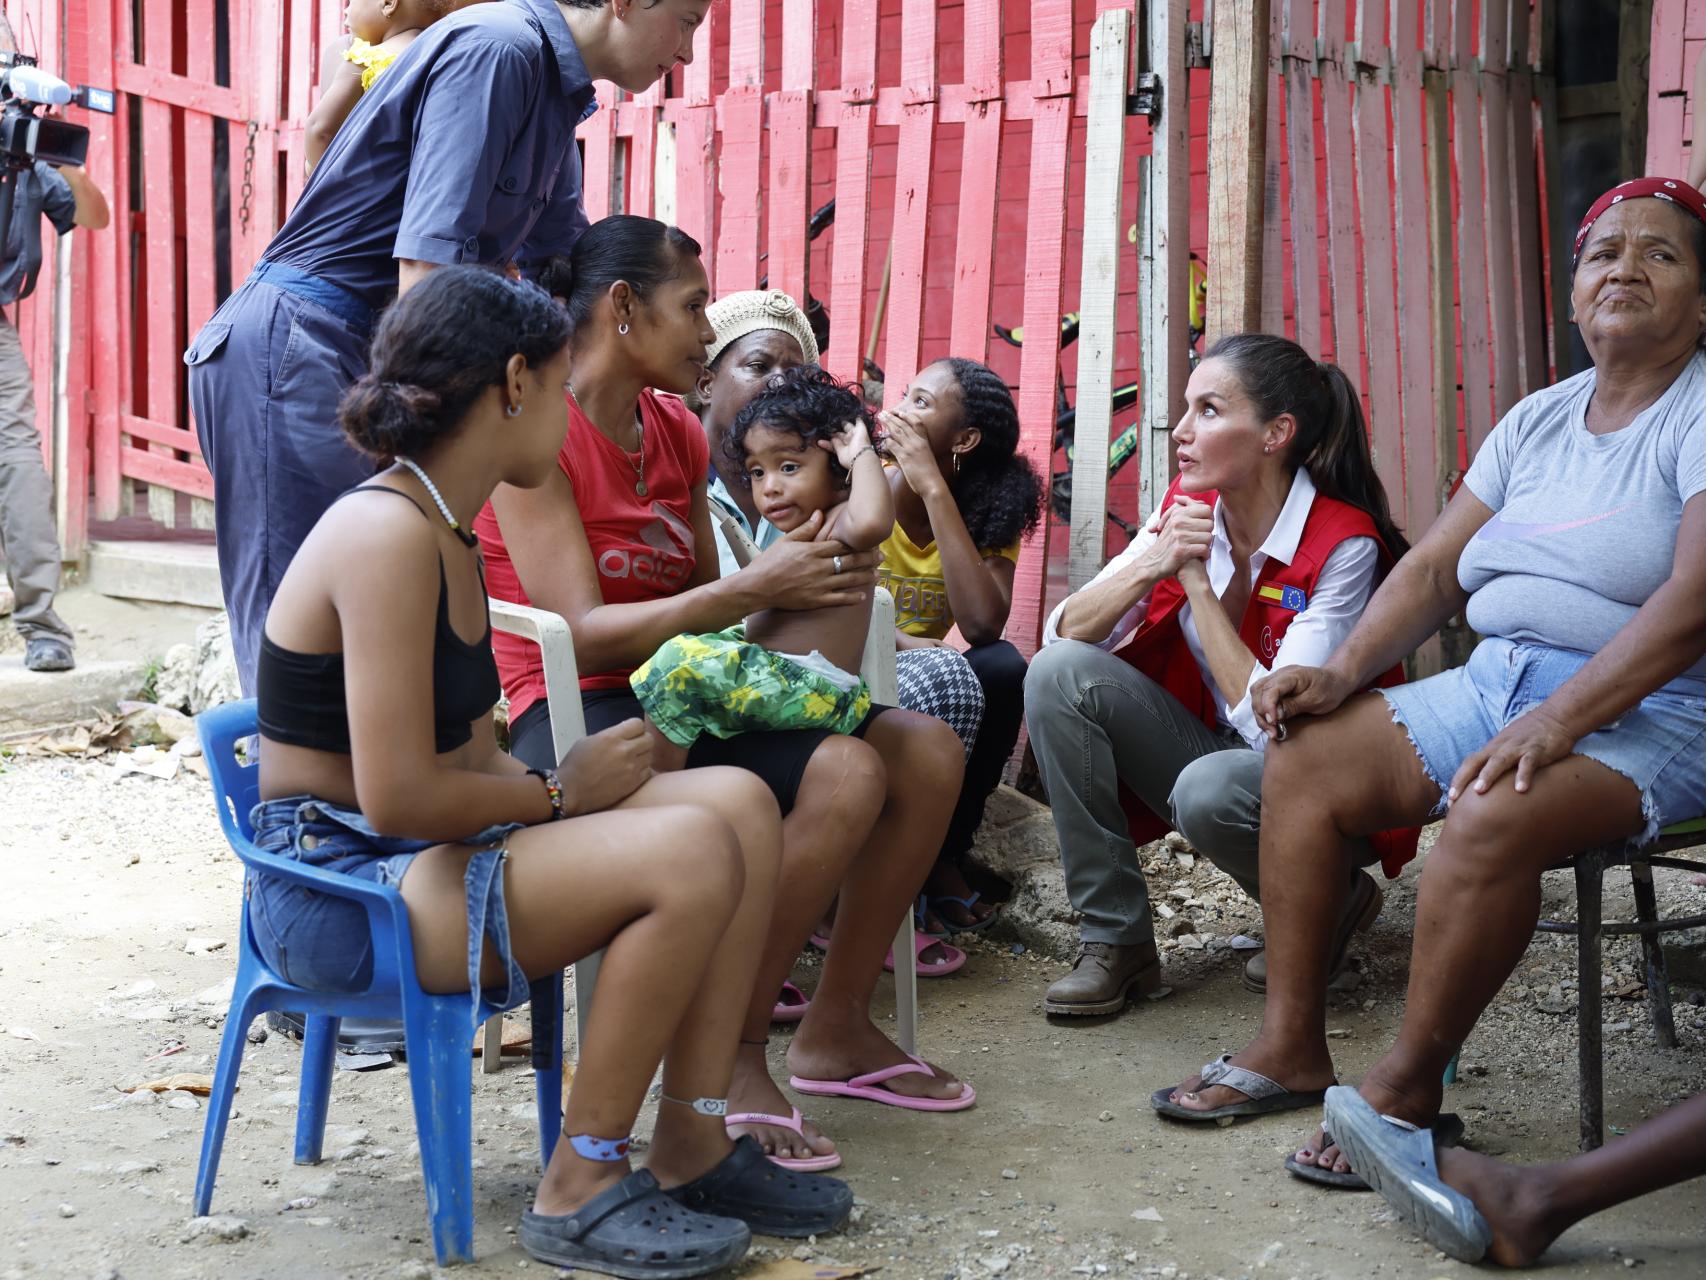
[{"x": 553, "y": 789}]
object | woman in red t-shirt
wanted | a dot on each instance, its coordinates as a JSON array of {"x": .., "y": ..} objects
[{"x": 620, "y": 544}]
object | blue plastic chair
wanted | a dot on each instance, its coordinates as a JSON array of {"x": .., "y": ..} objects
[{"x": 436, "y": 1030}]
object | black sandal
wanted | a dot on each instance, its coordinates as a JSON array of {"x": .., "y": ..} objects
[
  {"x": 636, "y": 1231},
  {"x": 773, "y": 1201}
]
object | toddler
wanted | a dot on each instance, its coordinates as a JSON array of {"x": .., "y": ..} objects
[
  {"x": 379, "y": 31},
  {"x": 803, "y": 445}
]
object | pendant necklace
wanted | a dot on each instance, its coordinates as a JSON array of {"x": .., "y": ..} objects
[
  {"x": 639, "y": 464},
  {"x": 468, "y": 539}
]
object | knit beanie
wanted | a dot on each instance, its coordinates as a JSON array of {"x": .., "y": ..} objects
[{"x": 739, "y": 314}]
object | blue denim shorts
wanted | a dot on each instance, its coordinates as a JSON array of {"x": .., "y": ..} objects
[
  {"x": 323, "y": 943},
  {"x": 1656, "y": 744}
]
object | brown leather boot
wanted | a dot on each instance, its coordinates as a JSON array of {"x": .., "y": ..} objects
[{"x": 1106, "y": 976}]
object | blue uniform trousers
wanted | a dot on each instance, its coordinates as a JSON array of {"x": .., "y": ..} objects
[{"x": 266, "y": 375}]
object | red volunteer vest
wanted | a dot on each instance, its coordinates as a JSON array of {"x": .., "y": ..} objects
[{"x": 1281, "y": 591}]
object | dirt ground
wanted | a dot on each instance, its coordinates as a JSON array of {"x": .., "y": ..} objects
[{"x": 1060, "y": 1170}]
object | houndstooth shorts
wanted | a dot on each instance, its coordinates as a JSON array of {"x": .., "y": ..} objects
[{"x": 940, "y": 682}]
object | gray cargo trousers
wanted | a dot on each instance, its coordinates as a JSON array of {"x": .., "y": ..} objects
[
  {"x": 27, "y": 534},
  {"x": 1096, "y": 722}
]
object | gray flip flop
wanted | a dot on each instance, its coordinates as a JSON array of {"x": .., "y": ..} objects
[
  {"x": 1448, "y": 1132},
  {"x": 635, "y": 1231},
  {"x": 771, "y": 1200},
  {"x": 1397, "y": 1159},
  {"x": 1262, "y": 1095}
]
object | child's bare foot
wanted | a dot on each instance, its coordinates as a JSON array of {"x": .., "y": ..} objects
[
  {"x": 954, "y": 904},
  {"x": 752, "y": 1090},
  {"x": 847, "y": 1049}
]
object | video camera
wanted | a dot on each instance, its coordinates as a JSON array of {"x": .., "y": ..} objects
[{"x": 25, "y": 136}]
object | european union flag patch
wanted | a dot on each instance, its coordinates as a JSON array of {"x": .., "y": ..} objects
[{"x": 1291, "y": 598}]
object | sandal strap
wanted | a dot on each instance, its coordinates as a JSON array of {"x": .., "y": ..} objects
[
  {"x": 916, "y": 1066},
  {"x": 1252, "y": 1084},
  {"x": 794, "y": 1122}
]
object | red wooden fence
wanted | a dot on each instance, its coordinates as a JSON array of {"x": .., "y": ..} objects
[
  {"x": 1679, "y": 42},
  {"x": 1404, "y": 230}
]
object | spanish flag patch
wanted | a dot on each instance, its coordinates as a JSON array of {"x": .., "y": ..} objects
[{"x": 1291, "y": 598}]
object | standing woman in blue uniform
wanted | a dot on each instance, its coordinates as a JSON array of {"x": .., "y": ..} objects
[{"x": 464, "y": 152}]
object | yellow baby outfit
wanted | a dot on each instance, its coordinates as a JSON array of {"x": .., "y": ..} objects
[{"x": 371, "y": 58}]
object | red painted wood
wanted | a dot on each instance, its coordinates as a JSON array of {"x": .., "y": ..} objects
[
  {"x": 642, "y": 153},
  {"x": 790, "y": 141},
  {"x": 695, "y": 146},
  {"x": 164, "y": 469},
  {"x": 852, "y": 190},
  {"x": 980, "y": 170},
  {"x": 160, "y": 159},
  {"x": 1476, "y": 360},
  {"x": 911, "y": 225},
  {"x": 1420, "y": 496},
  {"x": 79, "y": 392},
  {"x": 1051, "y": 73},
  {"x": 1501, "y": 244},
  {"x": 1374, "y": 199},
  {"x": 1298, "y": 19},
  {"x": 1343, "y": 248},
  {"x": 198, "y": 172},
  {"x": 1532, "y": 369},
  {"x": 598, "y": 134}
]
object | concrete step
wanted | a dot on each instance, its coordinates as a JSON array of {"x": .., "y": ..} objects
[
  {"x": 33, "y": 700},
  {"x": 168, "y": 572}
]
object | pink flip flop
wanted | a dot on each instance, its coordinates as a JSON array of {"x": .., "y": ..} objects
[
  {"x": 868, "y": 1088},
  {"x": 795, "y": 1122},
  {"x": 791, "y": 1004},
  {"x": 921, "y": 942}
]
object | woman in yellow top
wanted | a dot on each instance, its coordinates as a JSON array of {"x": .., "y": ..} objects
[
  {"x": 964, "y": 498},
  {"x": 379, "y": 31}
]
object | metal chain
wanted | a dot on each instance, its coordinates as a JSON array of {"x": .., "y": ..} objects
[{"x": 248, "y": 193}]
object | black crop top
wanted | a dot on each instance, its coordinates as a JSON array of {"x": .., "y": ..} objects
[{"x": 302, "y": 699}]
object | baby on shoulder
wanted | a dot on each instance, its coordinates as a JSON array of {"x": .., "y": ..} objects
[{"x": 803, "y": 445}]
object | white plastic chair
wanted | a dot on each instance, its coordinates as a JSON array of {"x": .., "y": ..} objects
[
  {"x": 878, "y": 672},
  {"x": 550, "y": 631}
]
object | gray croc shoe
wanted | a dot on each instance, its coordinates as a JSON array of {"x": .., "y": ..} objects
[
  {"x": 1262, "y": 1095},
  {"x": 771, "y": 1200},
  {"x": 1397, "y": 1159},
  {"x": 1448, "y": 1132},
  {"x": 635, "y": 1231}
]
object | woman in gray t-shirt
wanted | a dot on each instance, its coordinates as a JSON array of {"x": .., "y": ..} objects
[{"x": 1577, "y": 546}]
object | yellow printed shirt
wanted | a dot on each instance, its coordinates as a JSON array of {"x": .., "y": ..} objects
[
  {"x": 371, "y": 58},
  {"x": 913, "y": 576}
]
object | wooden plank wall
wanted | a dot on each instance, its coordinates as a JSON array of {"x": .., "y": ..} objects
[
  {"x": 1411, "y": 159},
  {"x": 1679, "y": 42}
]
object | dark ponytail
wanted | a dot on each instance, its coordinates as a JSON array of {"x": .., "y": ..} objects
[
  {"x": 996, "y": 490},
  {"x": 436, "y": 351},
  {"x": 643, "y": 252},
  {"x": 1332, "y": 435}
]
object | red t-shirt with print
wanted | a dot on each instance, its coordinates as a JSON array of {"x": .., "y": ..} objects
[{"x": 643, "y": 547}]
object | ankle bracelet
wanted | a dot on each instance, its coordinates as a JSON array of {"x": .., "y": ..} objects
[
  {"x": 704, "y": 1106},
  {"x": 604, "y": 1150}
]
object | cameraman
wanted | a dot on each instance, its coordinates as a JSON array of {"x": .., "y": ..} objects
[{"x": 66, "y": 198}]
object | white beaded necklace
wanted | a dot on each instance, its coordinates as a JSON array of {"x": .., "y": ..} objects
[{"x": 468, "y": 539}]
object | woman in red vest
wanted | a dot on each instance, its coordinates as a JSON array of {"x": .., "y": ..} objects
[{"x": 1261, "y": 555}]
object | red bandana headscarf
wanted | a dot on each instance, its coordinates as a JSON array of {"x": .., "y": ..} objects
[{"x": 1675, "y": 190}]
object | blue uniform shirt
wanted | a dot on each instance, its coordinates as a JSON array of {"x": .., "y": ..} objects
[
  {"x": 462, "y": 152},
  {"x": 41, "y": 191}
]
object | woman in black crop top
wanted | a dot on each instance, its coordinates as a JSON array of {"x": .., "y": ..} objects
[{"x": 376, "y": 687}]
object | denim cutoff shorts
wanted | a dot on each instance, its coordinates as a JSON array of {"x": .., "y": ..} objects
[
  {"x": 322, "y": 942},
  {"x": 1657, "y": 744}
]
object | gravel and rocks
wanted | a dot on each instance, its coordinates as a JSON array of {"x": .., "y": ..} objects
[{"x": 119, "y": 883}]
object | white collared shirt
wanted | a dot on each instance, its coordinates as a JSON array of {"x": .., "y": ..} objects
[{"x": 1341, "y": 593}]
